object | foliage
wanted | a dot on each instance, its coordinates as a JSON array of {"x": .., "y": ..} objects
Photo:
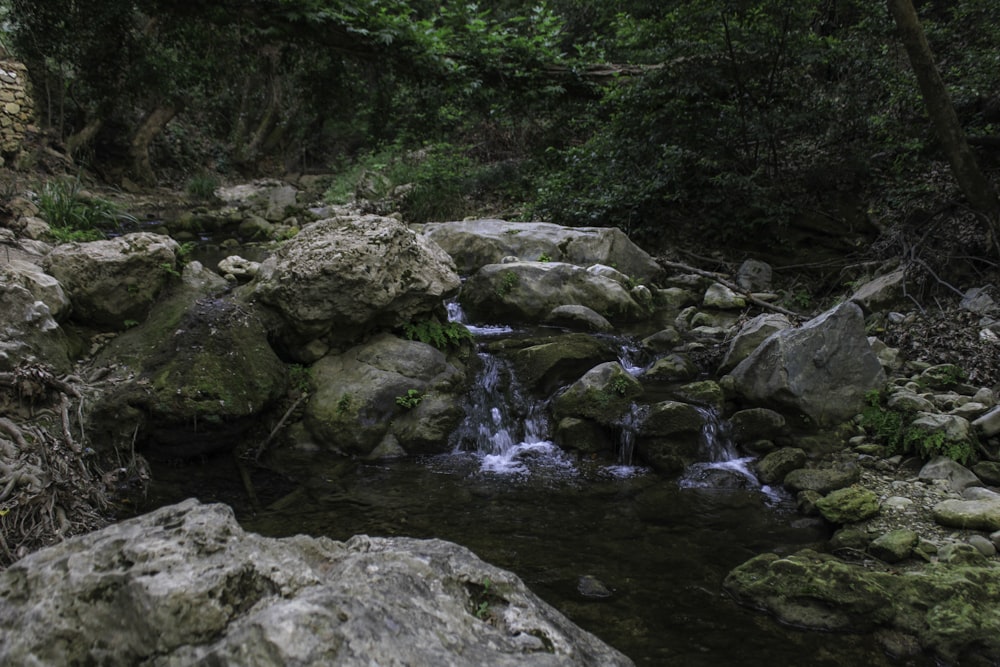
[
  {"x": 202, "y": 186},
  {"x": 301, "y": 377},
  {"x": 508, "y": 281},
  {"x": 410, "y": 399},
  {"x": 894, "y": 429},
  {"x": 441, "y": 336},
  {"x": 74, "y": 217}
]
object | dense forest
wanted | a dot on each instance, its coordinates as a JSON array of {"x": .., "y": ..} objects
[{"x": 727, "y": 122}]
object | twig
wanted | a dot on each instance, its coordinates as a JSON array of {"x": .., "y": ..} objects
[
  {"x": 67, "y": 436},
  {"x": 274, "y": 431}
]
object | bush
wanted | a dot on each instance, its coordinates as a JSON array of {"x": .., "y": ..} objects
[{"x": 73, "y": 217}]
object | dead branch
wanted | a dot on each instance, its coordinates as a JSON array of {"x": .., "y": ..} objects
[{"x": 722, "y": 280}]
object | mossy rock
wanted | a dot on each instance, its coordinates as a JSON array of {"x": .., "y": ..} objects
[
  {"x": 848, "y": 505},
  {"x": 605, "y": 393}
]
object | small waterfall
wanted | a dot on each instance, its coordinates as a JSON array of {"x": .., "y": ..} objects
[
  {"x": 724, "y": 467},
  {"x": 456, "y": 314},
  {"x": 630, "y": 356},
  {"x": 503, "y": 425},
  {"x": 628, "y": 431}
]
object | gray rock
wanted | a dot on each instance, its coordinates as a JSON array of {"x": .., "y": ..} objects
[
  {"x": 28, "y": 332},
  {"x": 721, "y": 297},
  {"x": 662, "y": 341},
  {"x": 670, "y": 436},
  {"x": 707, "y": 393},
  {"x": 529, "y": 291},
  {"x": 552, "y": 363},
  {"x": 578, "y": 317},
  {"x": 42, "y": 286},
  {"x": 822, "y": 480},
  {"x": 242, "y": 270},
  {"x": 958, "y": 476},
  {"x": 114, "y": 282},
  {"x": 584, "y": 436},
  {"x": 978, "y": 300},
  {"x": 750, "y": 336},
  {"x": 590, "y": 586},
  {"x": 988, "y": 472},
  {"x": 604, "y": 394},
  {"x": 671, "y": 368},
  {"x": 772, "y": 468},
  {"x": 908, "y": 401},
  {"x": 186, "y": 585},
  {"x": 983, "y": 545},
  {"x": 754, "y": 276},
  {"x": 341, "y": 278},
  {"x": 360, "y": 397},
  {"x": 971, "y": 514},
  {"x": 756, "y": 424},
  {"x": 989, "y": 424},
  {"x": 882, "y": 293},
  {"x": 475, "y": 243},
  {"x": 822, "y": 369},
  {"x": 894, "y": 546}
]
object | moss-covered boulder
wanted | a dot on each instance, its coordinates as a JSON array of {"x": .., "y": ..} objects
[
  {"x": 195, "y": 375},
  {"x": 670, "y": 436},
  {"x": 604, "y": 393},
  {"x": 824, "y": 479},
  {"x": 772, "y": 468},
  {"x": 554, "y": 362},
  {"x": 848, "y": 505}
]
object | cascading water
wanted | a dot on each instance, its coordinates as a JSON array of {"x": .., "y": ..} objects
[
  {"x": 456, "y": 314},
  {"x": 503, "y": 426},
  {"x": 724, "y": 466}
]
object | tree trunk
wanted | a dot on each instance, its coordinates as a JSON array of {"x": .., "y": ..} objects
[
  {"x": 970, "y": 178},
  {"x": 142, "y": 167},
  {"x": 84, "y": 136}
]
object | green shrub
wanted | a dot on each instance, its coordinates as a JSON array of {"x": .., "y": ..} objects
[
  {"x": 202, "y": 186},
  {"x": 441, "y": 336},
  {"x": 894, "y": 430},
  {"x": 73, "y": 217}
]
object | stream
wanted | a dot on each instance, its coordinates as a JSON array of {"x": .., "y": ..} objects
[{"x": 632, "y": 556}]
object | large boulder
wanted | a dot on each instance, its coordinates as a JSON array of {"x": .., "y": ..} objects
[
  {"x": 750, "y": 336},
  {"x": 476, "y": 243},
  {"x": 822, "y": 369},
  {"x": 386, "y": 397},
  {"x": 341, "y": 278},
  {"x": 530, "y": 291},
  {"x": 185, "y": 585},
  {"x": 194, "y": 376},
  {"x": 42, "y": 286},
  {"x": 948, "y": 609},
  {"x": 28, "y": 332},
  {"x": 552, "y": 363},
  {"x": 113, "y": 283},
  {"x": 604, "y": 394}
]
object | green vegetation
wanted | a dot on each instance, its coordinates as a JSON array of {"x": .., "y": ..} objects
[
  {"x": 301, "y": 378},
  {"x": 344, "y": 404},
  {"x": 410, "y": 399},
  {"x": 202, "y": 186},
  {"x": 893, "y": 429},
  {"x": 441, "y": 336},
  {"x": 508, "y": 281},
  {"x": 73, "y": 216}
]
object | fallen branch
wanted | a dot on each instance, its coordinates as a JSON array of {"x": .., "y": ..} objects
[
  {"x": 288, "y": 413},
  {"x": 722, "y": 280}
]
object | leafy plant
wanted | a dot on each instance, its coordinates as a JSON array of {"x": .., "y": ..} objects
[
  {"x": 544, "y": 257},
  {"x": 620, "y": 385},
  {"x": 508, "y": 281},
  {"x": 441, "y": 336},
  {"x": 74, "y": 217},
  {"x": 344, "y": 403},
  {"x": 202, "y": 186},
  {"x": 411, "y": 399},
  {"x": 301, "y": 377},
  {"x": 894, "y": 429}
]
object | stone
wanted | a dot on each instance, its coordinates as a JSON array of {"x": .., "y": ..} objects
[
  {"x": 356, "y": 398},
  {"x": 978, "y": 300},
  {"x": 193, "y": 377},
  {"x": 983, "y": 545},
  {"x": 342, "y": 278},
  {"x": 256, "y": 228},
  {"x": 583, "y": 435},
  {"x": 474, "y": 244},
  {"x": 907, "y": 401},
  {"x": 988, "y": 472},
  {"x": 989, "y": 424},
  {"x": 529, "y": 291},
  {"x": 42, "y": 286},
  {"x": 772, "y": 468},
  {"x": 662, "y": 341},
  {"x": 115, "y": 282},
  {"x": 955, "y": 474},
  {"x": 822, "y": 480},
  {"x": 241, "y": 270},
  {"x": 706, "y": 393},
  {"x": 756, "y": 424},
  {"x": 28, "y": 332},
  {"x": 185, "y": 585},
  {"x": 750, "y": 336},
  {"x": 670, "y": 436},
  {"x": 673, "y": 367},
  {"x": 604, "y": 394},
  {"x": 578, "y": 317},
  {"x": 555, "y": 362},
  {"x": 969, "y": 514},
  {"x": 894, "y": 546},
  {"x": 754, "y": 276},
  {"x": 822, "y": 370},
  {"x": 882, "y": 293},
  {"x": 590, "y": 586},
  {"x": 721, "y": 297},
  {"x": 848, "y": 505}
]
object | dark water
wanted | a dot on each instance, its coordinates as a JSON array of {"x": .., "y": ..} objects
[{"x": 662, "y": 549}]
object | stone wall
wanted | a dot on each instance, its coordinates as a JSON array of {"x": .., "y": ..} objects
[{"x": 15, "y": 107}]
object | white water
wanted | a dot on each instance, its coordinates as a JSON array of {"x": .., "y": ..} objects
[{"x": 456, "y": 314}]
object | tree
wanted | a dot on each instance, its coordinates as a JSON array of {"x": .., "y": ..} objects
[{"x": 976, "y": 188}]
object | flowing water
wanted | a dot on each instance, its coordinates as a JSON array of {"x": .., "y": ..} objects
[{"x": 662, "y": 547}]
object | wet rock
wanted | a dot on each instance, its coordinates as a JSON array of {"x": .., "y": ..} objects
[
  {"x": 988, "y": 472},
  {"x": 662, "y": 341},
  {"x": 670, "y": 436},
  {"x": 529, "y": 291},
  {"x": 823, "y": 369},
  {"x": 113, "y": 284},
  {"x": 604, "y": 394},
  {"x": 671, "y": 368},
  {"x": 772, "y": 468},
  {"x": 584, "y": 436},
  {"x": 385, "y": 386},
  {"x": 590, "y": 586},
  {"x": 822, "y": 480},
  {"x": 186, "y": 585},
  {"x": 578, "y": 317},
  {"x": 848, "y": 505},
  {"x": 554, "y": 362},
  {"x": 705, "y": 392},
  {"x": 894, "y": 546},
  {"x": 341, "y": 278},
  {"x": 756, "y": 424},
  {"x": 475, "y": 243}
]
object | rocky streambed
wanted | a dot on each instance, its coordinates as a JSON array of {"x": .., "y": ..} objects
[{"x": 334, "y": 361}]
